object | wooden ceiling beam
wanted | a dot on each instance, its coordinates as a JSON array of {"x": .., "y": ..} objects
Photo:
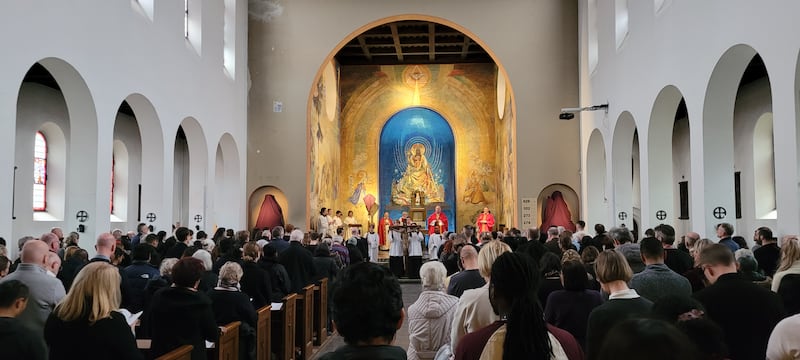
[
  {"x": 396, "y": 38},
  {"x": 432, "y": 41},
  {"x": 363, "y": 44}
]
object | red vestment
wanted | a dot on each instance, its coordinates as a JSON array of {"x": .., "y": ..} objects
[
  {"x": 487, "y": 226},
  {"x": 437, "y": 219},
  {"x": 383, "y": 226}
]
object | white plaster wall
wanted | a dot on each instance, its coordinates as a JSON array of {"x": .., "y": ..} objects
[
  {"x": 115, "y": 51},
  {"x": 535, "y": 41},
  {"x": 681, "y": 45}
]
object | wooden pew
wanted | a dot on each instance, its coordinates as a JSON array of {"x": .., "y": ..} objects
[
  {"x": 264, "y": 333},
  {"x": 305, "y": 321},
  {"x": 321, "y": 312},
  {"x": 182, "y": 353},
  {"x": 227, "y": 347},
  {"x": 283, "y": 328}
]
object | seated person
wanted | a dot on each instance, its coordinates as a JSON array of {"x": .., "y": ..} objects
[
  {"x": 231, "y": 304},
  {"x": 16, "y": 340},
  {"x": 180, "y": 315},
  {"x": 368, "y": 327},
  {"x": 85, "y": 324}
]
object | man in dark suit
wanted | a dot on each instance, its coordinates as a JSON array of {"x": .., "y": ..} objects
[
  {"x": 746, "y": 312},
  {"x": 183, "y": 237},
  {"x": 678, "y": 261},
  {"x": 298, "y": 262}
]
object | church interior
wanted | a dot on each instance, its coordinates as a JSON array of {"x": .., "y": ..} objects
[{"x": 249, "y": 114}]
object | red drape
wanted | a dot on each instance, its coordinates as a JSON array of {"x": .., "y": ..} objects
[
  {"x": 556, "y": 213},
  {"x": 270, "y": 214}
]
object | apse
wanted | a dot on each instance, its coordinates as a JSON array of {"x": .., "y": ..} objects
[{"x": 416, "y": 163}]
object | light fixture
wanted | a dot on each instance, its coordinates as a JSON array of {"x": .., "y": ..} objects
[{"x": 569, "y": 113}]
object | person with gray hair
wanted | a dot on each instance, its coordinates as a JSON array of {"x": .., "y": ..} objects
[
  {"x": 209, "y": 279},
  {"x": 230, "y": 304},
  {"x": 298, "y": 261},
  {"x": 431, "y": 316},
  {"x": 278, "y": 242},
  {"x": 623, "y": 243},
  {"x": 748, "y": 266}
]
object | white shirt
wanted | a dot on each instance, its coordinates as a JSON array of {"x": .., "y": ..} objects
[
  {"x": 372, "y": 240},
  {"x": 396, "y": 248},
  {"x": 434, "y": 242},
  {"x": 323, "y": 224},
  {"x": 415, "y": 244}
]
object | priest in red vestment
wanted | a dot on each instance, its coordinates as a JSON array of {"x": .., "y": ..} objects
[
  {"x": 485, "y": 222},
  {"x": 438, "y": 218},
  {"x": 383, "y": 230}
]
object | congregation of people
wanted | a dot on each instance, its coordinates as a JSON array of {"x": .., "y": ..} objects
[{"x": 550, "y": 294}]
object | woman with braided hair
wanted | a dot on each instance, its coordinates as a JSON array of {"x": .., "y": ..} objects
[{"x": 521, "y": 332}]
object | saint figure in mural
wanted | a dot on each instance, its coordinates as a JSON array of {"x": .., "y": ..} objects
[
  {"x": 418, "y": 181},
  {"x": 556, "y": 212},
  {"x": 473, "y": 194}
]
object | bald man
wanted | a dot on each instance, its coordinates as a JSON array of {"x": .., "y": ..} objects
[
  {"x": 53, "y": 264},
  {"x": 45, "y": 291},
  {"x": 104, "y": 247},
  {"x": 469, "y": 277},
  {"x": 51, "y": 240}
]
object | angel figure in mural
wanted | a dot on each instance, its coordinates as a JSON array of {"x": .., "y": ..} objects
[
  {"x": 417, "y": 179},
  {"x": 359, "y": 189}
]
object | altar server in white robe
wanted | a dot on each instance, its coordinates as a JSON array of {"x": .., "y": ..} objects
[
  {"x": 415, "y": 240},
  {"x": 396, "y": 253},
  {"x": 434, "y": 243},
  {"x": 373, "y": 241}
]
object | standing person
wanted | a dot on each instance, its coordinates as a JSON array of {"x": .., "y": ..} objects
[
  {"x": 396, "y": 253},
  {"x": 16, "y": 340},
  {"x": 373, "y": 241},
  {"x": 521, "y": 332},
  {"x": 569, "y": 308},
  {"x": 323, "y": 225},
  {"x": 181, "y": 315},
  {"x": 470, "y": 277},
  {"x": 485, "y": 221},
  {"x": 431, "y": 316},
  {"x": 384, "y": 231},
  {"x": 298, "y": 262},
  {"x": 141, "y": 231},
  {"x": 725, "y": 235},
  {"x": 183, "y": 238},
  {"x": 255, "y": 281},
  {"x": 229, "y": 304},
  {"x": 437, "y": 218},
  {"x": 45, "y": 291},
  {"x": 768, "y": 255},
  {"x": 790, "y": 260},
  {"x": 614, "y": 273},
  {"x": 86, "y": 324},
  {"x": 415, "y": 240},
  {"x": 368, "y": 327},
  {"x": 677, "y": 260},
  {"x": 474, "y": 309},
  {"x": 337, "y": 223},
  {"x": 434, "y": 243},
  {"x": 657, "y": 280},
  {"x": 746, "y": 312}
]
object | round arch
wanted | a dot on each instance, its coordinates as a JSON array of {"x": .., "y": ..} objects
[
  {"x": 506, "y": 83},
  {"x": 153, "y": 199},
  {"x": 718, "y": 150},
  {"x": 660, "y": 189},
  {"x": 192, "y": 199},
  {"x": 596, "y": 199},
  {"x": 623, "y": 168},
  {"x": 227, "y": 184}
]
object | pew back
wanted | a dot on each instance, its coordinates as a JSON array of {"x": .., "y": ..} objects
[
  {"x": 264, "y": 333},
  {"x": 321, "y": 312},
  {"x": 182, "y": 353},
  {"x": 305, "y": 321},
  {"x": 228, "y": 345}
]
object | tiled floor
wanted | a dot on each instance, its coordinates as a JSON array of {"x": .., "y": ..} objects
[{"x": 410, "y": 295}]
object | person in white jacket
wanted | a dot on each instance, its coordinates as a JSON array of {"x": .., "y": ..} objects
[{"x": 430, "y": 317}]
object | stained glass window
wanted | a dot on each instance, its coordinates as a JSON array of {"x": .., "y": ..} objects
[{"x": 40, "y": 173}]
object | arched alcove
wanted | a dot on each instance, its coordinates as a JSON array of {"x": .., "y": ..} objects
[
  {"x": 417, "y": 164},
  {"x": 668, "y": 116},
  {"x": 154, "y": 196},
  {"x": 623, "y": 166},
  {"x": 191, "y": 164},
  {"x": 120, "y": 184},
  {"x": 267, "y": 207},
  {"x": 127, "y": 168},
  {"x": 718, "y": 151},
  {"x": 568, "y": 198},
  {"x": 53, "y": 98},
  {"x": 227, "y": 184},
  {"x": 596, "y": 181},
  {"x": 764, "y": 168}
]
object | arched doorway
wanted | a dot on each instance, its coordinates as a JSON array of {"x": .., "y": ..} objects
[{"x": 417, "y": 164}]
